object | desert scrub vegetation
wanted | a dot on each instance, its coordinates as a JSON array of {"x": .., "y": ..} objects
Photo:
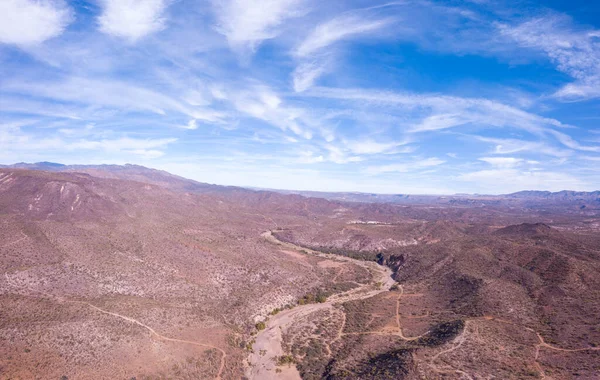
[
  {"x": 261, "y": 326},
  {"x": 390, "y": 365},
  {"x": 314, "y": 359},
  {"x": 319, "y": 297},
  {"x": 287, "y": 236},
  {"x": 442, "y": 333},
  {"x": 285, "y": 360}
]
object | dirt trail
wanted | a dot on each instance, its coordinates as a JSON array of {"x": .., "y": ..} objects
[
  {"x": 133, "y": 320},
  {"x": 159, "y": 336},
  {"x": 458, "y": 342},
  {"x": 267, "y": 346},
  {"x": 400, "y": 332},
  {"x": 16, "y": 241}
]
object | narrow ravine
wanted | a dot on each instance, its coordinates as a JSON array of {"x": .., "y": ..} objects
[{"x": 268, "y": 345}]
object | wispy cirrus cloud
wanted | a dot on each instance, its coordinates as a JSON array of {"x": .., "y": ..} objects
[
  {"x": 306, "y": 73},
  {"x": 440, "y": 121},
  {"x": 82, "y": 140},
  {"x": 110, "y": 93},
  {"x": 573, "y": 144},
  {"x": 338, "y": 29},
  {"x": 502, "y": 162},
  {"x": 28, "y": 22},
  {"x": 312, "y": 53},
  {"x": 263, "y": 103},
  {"x": 370, "y": 146},
  {"x": 487, "y": 180},
  {"x": 247, "y": 23},
  {"x": 535, "y": 147},
  {"x": 574, "y": 50},
  {"x": 444, "y": 112},
  {"x": 413, "y": 94},
  {"x": 407, "y": 166},
  {"x": 132, "y": 19}
]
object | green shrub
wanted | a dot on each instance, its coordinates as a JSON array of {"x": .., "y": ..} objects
[{"x": 285, "y": 359}]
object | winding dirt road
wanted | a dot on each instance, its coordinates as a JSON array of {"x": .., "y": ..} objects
[
  {"x": 159, "y": 336},
  {"x": 153, "y": 332},
  {"x": 267, "y": 347}
]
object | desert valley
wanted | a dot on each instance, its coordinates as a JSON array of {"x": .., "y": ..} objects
[
  {"x": 124, "y": 272},
  {"x": 299, "y": 190}
]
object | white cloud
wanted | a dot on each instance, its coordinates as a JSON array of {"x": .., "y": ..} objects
[
  {"x": 16, "y": 143},
  {"x": 339, "y": 156},
  {"x": 307, "y": 73},
  {"x": 405, "y": 166},
  {"x": 191, "y": 125},
  {"x": 197, "y": 98},
  {"x": 568, "y": 141},
  {"x": 506, "y": 180},
  {"x": 132, "y": 19},
  {"x": 579, "y": 90},
  {"x": 262, "y": 103},
  {"x": 369, "y": 146},
  {"x": 337, "y": 29},
  {"x": 314, "y": 60},
  {"x": 502, "y": 162},
  {"x": 28, "y": 22},
  {"x": 437, "y": 112},
  {"x": 121, "y": 144},
  {"x": 247, "y": 23},
  {"x": 308, "y": 157},
  {"x": 442, "y": 121},
  {"x": 31, "y": 107},
  {"x": 114, "y": 94},
  {"x": 510, "y": 146},
  {"x": 575, "y": 51},
  {"x": 443, "y": 112},
  {"x": 87, "y": 130}
]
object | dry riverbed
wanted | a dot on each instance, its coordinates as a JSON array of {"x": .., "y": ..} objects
[{"x": 268, "y": 345}]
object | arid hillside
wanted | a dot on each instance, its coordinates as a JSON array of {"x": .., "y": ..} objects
[
  {"x": 472, "y": 301},
  {"x": 125, "y": 272},
  {"x": 97, "y": 271}
]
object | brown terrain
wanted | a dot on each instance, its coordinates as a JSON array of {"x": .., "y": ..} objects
[{"x": 122, "y": 272}]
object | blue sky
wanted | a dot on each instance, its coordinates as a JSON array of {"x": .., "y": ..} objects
[{"x": 392, "y": 97}]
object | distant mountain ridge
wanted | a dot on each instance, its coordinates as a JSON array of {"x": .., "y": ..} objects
[
  {"x": 128, "y": 171},
  {"x": 456, "y": 199},
  {"x": 557, "y": 194},
  {"x": 175, "y": 182}
]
